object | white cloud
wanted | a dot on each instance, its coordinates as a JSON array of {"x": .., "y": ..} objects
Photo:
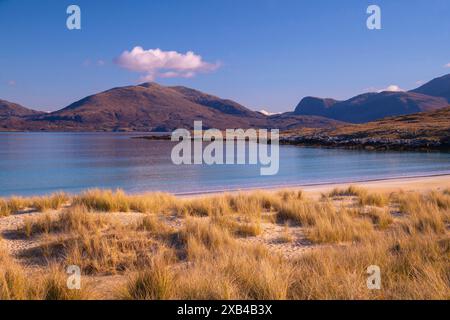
[
  {"x": 447, "y": 65},
  {"x": 268, "y": 113},
  {"x": 392, "y": 88},
  {"x": 12, "y": 83},
  {"x": 155, "y": 63}
]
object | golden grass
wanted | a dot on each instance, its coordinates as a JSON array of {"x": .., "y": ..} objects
[
  {"x": 75, "y": 219},
  {"x": 5, "y": 210},
  {"x": 373, "y": 199},
  {"x": 104, "y": 200},
  {"x": 15, "y": 284},
  {"x": 15, "y": 204},
  {"x": 219, "y": 267},
  {"x": 339, "y": 226},
  {"x": 118, "y": 201},
  {"x": 156, "y": 282},
  {"x": 52, "y": 202},
  {"x": 350, "y": 191},
  {"x": 95, "y": 242},
  {"x": 380, "y": 217},
  {"x": 250, "y": 227},
  {"x": 203, "y": 255},
  {"x": 414, "y": 268}
]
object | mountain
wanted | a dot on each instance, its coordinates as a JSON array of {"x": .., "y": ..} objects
[
  {"x": 290, "y": 120},
  {"x": 371, "y": 106},
  {"x": 439, "y": 87},
  {"x": 419, "y": 131},
  {"x": 153, "y": 107},
  {"x": 9, "y": 109},
  {"x": 315, "y": 106}
]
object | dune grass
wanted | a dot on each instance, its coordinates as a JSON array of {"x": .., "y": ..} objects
[
  {"x": 373, "y": 199},
  {"x": 15, "y": 284},
  {"x": 5, "y": 209},
  {"x": 119, "y": 201},
  {"x": 354, "y": 191},
  {"x": 202, "y": 248}
]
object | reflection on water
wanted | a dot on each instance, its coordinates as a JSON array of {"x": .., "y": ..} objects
[{"x": 40, "y": 163}]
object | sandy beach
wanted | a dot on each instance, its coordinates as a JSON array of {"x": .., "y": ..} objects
[
  {"x": 198, "y": 240},
  {"x": 407, "y": 184}
]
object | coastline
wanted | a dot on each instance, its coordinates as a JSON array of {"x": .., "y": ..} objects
[{"x": 409, "y": 183}]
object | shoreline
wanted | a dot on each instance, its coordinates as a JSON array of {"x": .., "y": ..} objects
[
  {"x": 418, "y": 182},
  {"x": 407, "y": 183}
]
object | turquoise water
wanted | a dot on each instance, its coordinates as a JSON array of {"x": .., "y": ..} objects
[{"x": 41, "y": 163}]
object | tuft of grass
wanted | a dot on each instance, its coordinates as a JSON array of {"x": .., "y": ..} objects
[
  {"x": 5, "y": 209},
  {"x": 39, "y": 225},
  {"x": 157, "y": 203},
  {"x": 289, "y": 195},
  {"x": 104, "y": 200},
  {"x": 16, "y": 204},
  {"x": 118, "y": 201},
  {"x": 380, "y": 217},
  {"x": 304, "y": 213},
  {"x": 52, "y": 202},
  {"x": 373, "y": 199},
  {"x": 156, "y": 282},
  {"x": 13, "y": 283},
  {"x": 206, "y": 207},
  {"x": 53, "y": 286},
  {"x": 339, "y": 226},
  {"x": 76, "y": 219},
  {"x": 425, "y": 213},
  {"x": 412, "y": 268},
  {"x": 351, "y": 191},
  {"x": 250, "y": 228},
  {"x": 442, "y": 200}
]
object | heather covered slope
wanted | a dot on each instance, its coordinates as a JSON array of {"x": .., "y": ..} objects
[{"x": 425, "y": 130}]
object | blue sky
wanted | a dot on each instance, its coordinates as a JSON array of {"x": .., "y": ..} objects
[{"x": 271, "y": 52}]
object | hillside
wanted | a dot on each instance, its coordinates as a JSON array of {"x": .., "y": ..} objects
[
  {"x": 153, "y": 107},
  {"x": 420, "y": 131},
  {"x": 366, "y": 107},
  {"x": 9, "y": 109},
  {"x": 439, "y": 87}
]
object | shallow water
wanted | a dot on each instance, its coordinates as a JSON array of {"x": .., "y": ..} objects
[{"x": 40, "y": 163}]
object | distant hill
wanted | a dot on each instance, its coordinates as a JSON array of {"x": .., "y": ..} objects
[
  {"x": 152, "y": 107},
  {"x": 9, "y": 109},
  {"x": 290, "y": 120},
  {"x": 420, "y": 131},
  {"x": 439, "y": 87},
  {"x": 315, "y": 106},
  {"x": 371, "y": 106}
]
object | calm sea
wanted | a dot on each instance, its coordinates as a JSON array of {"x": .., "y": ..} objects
[{"x": 41, "y": 163}]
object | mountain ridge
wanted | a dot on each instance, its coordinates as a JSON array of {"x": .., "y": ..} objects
[
  {"x": 371, "y": 106},
  {"x": 150, "y": 106},
  {"x": 153, "y": 107}
]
